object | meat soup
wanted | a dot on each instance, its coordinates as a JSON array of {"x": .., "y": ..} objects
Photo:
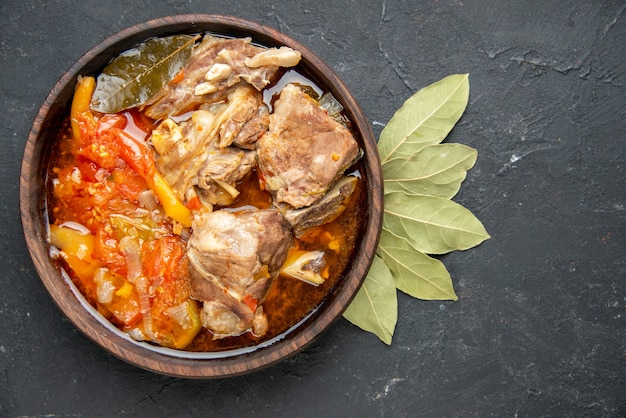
[{"x": 208, "y": 217}]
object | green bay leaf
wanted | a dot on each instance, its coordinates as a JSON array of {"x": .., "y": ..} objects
[
  {"x": 425, "y": 118},
  {"x": 436, "y": 170},
  {"x": 433, "y": 225},
  {"x": 375, "y": 307},
  {"x": 414, "y": 272},
  {"x": 136, "y": 75},
  {"x": 421, "y": 176}
]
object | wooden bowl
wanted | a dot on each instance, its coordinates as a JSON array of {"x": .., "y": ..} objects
[{"x": 174, "y": 362}]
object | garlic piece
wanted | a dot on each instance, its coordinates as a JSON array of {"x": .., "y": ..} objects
[
  {"x": 282, "y": 57},
  {"x": 218, "y": 72},
  {"x": 205, "y": 88}
]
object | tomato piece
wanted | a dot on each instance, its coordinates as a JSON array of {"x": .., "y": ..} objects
[
  {"x": 262, "y": 180},
  {"x": 251, "y": 302},
  {"x": 73, "y": 200},
  {"x": 99, "y": 145},
  {"x": 175, "y": 316},
  {"x": 106, "y": 249},
  {"x": 194, "y": 203},
  {"x": 139, "y": 157},
  {"x": 126, "y": 311},
  {"x": 128, "y": 182},
  {"x": 163, "y": 257},
  {"x": 139, "y": 125},
  {"x": 180, "y": 76},
  {"x": 110, "y": 121},
  {"x": 135, "y": 153}
]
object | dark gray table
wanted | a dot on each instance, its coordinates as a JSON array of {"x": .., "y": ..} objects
[{"x": 540, "y": 325}]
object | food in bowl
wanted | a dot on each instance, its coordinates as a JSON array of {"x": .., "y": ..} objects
[{"x": 215, "y": 213}]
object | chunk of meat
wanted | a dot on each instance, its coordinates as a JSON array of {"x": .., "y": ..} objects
[
  {"x": 223, "y": 169},
  {"x": 305, "y": 150},
  {"x": 242, "y": 119},
  {"x": 326, "y": 210},
  {"x": 215, "y": 65},
  {"x": 224, "y": 322},
  {"x": 197, "y": 151},
  {"x": 233, "y": 257},
  {"x": 253, "y": 129},
  {"x": 182, "y": 149},
  {"x": 230, "y": 165}
]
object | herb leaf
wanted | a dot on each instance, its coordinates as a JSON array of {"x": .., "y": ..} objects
[
  {"x": 375, "y": 307},
  {"x": 437, "y": 170},
  {"x": 136, "y": 75},
  {"x": 415, "y": 273},
  {"x": 433, "y": 225},
  {"x": 420, "y": 176},
  {"x": 425, "y": 118}
]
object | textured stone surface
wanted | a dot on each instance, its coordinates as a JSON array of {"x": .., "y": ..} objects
[{"x": 540, "y": 325}]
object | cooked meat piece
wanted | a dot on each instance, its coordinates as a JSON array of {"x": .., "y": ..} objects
[
  {"x": 224, "y": 313},
  {"x": 247, "y": 240},
  {"x": 190, "y": 153},
  {"x": 244, "y": 107},
  {"x": 233, "y": 256},
  {"x": 305, "y": 151},
  {"x": 182, "y": 149},
  {"x": 253, "y": 129},
  {"x": 223, "y": 169},
  {"x": 326, "y": 210},
  {"x": 215, "y": 65},
  {"x": 229, "y": 165},
  {"x": 223, "y": 322}
]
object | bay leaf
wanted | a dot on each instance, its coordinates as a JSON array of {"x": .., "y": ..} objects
[
  {"x": 425, "y": 118},
  {"x": 421, "y": 176},
  {"x": 375, "y": 306},
  {"x": 414, "y": 272},
  {"x": 436, "y": 170},
  {"x": 433, "y": 225},
  {"x": 136, "y": 75}
]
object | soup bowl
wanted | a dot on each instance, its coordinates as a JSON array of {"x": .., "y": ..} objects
[{"x": 161, "y": 360}]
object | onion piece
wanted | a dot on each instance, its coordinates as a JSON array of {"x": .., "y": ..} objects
[
  {"x": 81, "y": 229},
  {"x": 227, "y": 187},
  {"x": 330, "y": 104},
  {"x": 104, "y": 286},
  {"x": 148, "y": 200},
  {"x": 130, "y": 248}
]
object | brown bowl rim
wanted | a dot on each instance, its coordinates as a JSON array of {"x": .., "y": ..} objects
[{"x": 169, "y": 362}]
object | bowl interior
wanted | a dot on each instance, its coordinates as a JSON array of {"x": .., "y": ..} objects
[{"x": 73, "y": 305}]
